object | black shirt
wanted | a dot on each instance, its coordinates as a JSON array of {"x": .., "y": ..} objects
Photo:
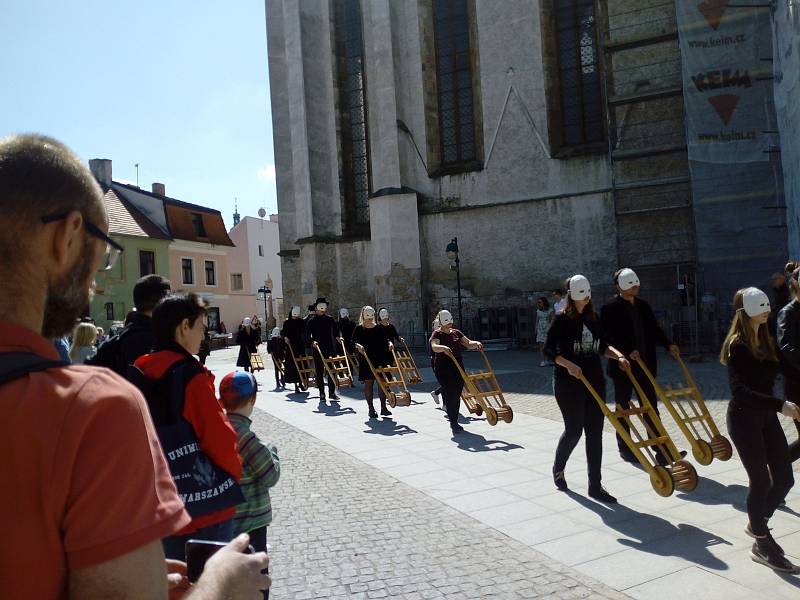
[
  {"x": 323, "y": 330},
  {"x": 752, "y": 380},
  {"x": 579, "y": 340},
  {"x": 375, "y": 344},
  {"x": 295, "y": 330},
  {"x": 347, "y": 327},
  {"x": 390, "y": 332}
]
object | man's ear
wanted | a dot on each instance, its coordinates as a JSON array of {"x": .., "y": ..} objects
[{"x": 67, "y": 241}]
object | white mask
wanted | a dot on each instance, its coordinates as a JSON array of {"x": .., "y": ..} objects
[
  {"x": 445, "y": 318},
  {"x": 276, "y": 332},
  {"x": 627, "y": 279},
  {"x": 246, "y": 321},
  {"x": 383, "y": 314},
  {"x": 322, "y": 307},
  {"x": 295, "y": 311},
  {"x": 579, "y": 288},
  {"x": 344, "y": 313},
  {"x": 755, "y": 302},
  {"x": 369, "y": 313}
]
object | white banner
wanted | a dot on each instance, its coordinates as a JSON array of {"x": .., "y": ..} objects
[{"x": 726, "y": 84}]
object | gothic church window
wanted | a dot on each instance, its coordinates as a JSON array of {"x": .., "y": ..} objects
[{"x": 353, "y": 113}]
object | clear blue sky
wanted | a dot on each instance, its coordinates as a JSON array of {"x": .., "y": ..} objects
[{"x": 180, "y": 87}]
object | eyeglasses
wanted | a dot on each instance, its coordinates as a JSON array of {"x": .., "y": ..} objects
[{"x": 113, "y": 249}]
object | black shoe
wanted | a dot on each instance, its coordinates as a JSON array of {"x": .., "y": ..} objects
[
  {"x": 373, "y": 414},
  {"x": 385, "y": 412},
  {"x": 628, "y": 457},
  {"x": 560, "y": 480},
  {"x": 749, "y": 531},
  {"x": 456, "y": 428},
  {"x": 333, "y": 395},
  {"x": 601, "y": 495},
  {"x": 766, "y": 553}
]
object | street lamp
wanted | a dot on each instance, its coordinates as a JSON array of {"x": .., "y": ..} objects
[
  {"x": 452, "y": 254},
  {"x": 263, "y": 292}
]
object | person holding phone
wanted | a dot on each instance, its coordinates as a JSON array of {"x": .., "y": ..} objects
[{"x": 575, "y": 342}]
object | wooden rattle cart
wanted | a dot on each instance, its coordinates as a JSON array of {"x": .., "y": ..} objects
[
  {"x": 482, "y": 393},
  {"x": 338, "y": 367},
  {"x": 305, "y": 367},
  {"x": 686, "y": 406},
  {"x": 405, "y": 361},
  {"x": 256, "y": 362},
  {"x": 647, "y": 444},
  {"x": 390, "y": 380}
]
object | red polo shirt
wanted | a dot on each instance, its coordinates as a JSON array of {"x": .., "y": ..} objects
[{"x": 83, "y": 476}]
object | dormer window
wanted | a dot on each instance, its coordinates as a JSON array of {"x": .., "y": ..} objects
[{"x": 199, "y": 228}]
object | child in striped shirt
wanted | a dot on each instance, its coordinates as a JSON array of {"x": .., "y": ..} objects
[{"x": 260, "y": 464}]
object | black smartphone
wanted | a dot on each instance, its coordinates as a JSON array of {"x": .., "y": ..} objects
[{"x": 198, "y": 552}]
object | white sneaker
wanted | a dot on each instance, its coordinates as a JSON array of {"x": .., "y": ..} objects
[{"x": 435, "y": 397}]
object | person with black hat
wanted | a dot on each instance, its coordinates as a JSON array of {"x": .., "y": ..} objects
[
  {"x": 293, "y": 332},
  {"x": 631, "y": 327},
  {"x": 322, "y": 329}
]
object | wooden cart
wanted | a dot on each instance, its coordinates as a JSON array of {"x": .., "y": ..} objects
[
  {"x": 305, "y": 367},
  {"x": 256, "y": 362},
  {"x": 390, "y": 380},
  {"x": 686, "y": 406},
  {"x": 646, "y": 439},
  {"x": 482, "y": 393},
  {"x": 338, "y": 367},
  {"x": 405, "y": 361}
]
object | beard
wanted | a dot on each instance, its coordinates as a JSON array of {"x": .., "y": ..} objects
[{"x": 69, "y": 299}]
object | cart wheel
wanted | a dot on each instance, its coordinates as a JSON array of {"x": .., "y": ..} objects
[
  {"x": 406, "y": 399},
  {"x": 661, "y": 481},
  {"x": 392, "y": 399},
  {"x": 508, "y": 415},
  {"x": 702, "y": 452},
  {"x": 491, "y": 415},
  {"x": 684, "y": 475},
  {"x": 722, "y": 447}
]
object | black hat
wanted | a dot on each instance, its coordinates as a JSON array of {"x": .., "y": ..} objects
[
  {"x": 312, "y": 307},
  {"x": 320, "y": 301}
]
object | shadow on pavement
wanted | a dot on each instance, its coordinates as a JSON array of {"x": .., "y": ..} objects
[
  {"x": 713, "y": 493},
  {"x": 299, "y": 397},
  {"x": 683, "y": 541},
  {"x": 387, "y": 427},
  {"x": 333, "y": 409},
  {"x": 473, "y": 442}
]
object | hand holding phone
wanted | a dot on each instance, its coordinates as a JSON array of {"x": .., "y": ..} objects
[{"x": 197, "y": 554}]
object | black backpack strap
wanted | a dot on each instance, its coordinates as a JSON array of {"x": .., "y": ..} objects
[{"x": 14, "y": 365}]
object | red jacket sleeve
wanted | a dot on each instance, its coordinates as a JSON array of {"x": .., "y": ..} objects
[{"x": 215, "y": 433}]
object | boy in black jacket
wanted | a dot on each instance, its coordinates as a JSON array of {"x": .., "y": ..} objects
[{"x": 631, "y": 327}]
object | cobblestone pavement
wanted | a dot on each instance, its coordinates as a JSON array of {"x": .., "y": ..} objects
[{"x": 344, "y": 529}]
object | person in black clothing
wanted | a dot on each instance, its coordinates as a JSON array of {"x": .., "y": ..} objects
[
  {"x": 346, "y": 327},
  {"x": 136, "y": 339},
  {"x": 388, "y": 329},
  {"x": 752, "y": 359},
  {"x": 575, "y": 343},
  {"x": 369, "y": 338},
  {"x": 447, "y": 343},
  {"x": 781, "y": 295},
  {"x": 322, "y": 328},
  {"x": 788, "y": 327},
  {"x": 631, "y": 327},
  {"x": 293, "y": 332},
  {"x": 205, "y": 347},
  {"x": 277, "y": 350},
  {"x": 438, "y": 391},
  {"x": 248, "y": 339}
]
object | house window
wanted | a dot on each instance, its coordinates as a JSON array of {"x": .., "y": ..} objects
[
  {"x": 211, "y": 274},
  {"x": 147, "y": 263},
  {"x": 454, "y": 81},
  {"x": 353, "y": 113},
  {"x": 260, "y": 250},
  {"x": 237, "y": 283},
  {"x": 579, "y": 73},
  {"x": 109, "y": 306},
  {"x": 187, "y": 270},
  {"x": 199, "y": 228}
]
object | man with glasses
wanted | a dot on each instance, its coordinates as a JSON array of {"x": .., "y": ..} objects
[{"x": 89, "y": 495}]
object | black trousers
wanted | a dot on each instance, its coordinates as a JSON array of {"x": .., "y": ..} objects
[
  {"x": 761, "y": 443},
  {"x": 623, "y": 390},
  {"x": 321, "y": 373},
  {"x": 279, "y": 377},
  {"x": 451, "y": 384},
  {"x": 582, "y": 415},
  {"x": 792, "y": 393}
]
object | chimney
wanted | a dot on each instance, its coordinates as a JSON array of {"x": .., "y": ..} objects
[
  {"x": 273, "y": 218},
  {"x": 160, "y": 189},
  {"x": 101, "y": 169}
]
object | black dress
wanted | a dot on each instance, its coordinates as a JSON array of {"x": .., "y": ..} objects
[
  {"x": 375, "y": 345},
  {"x": 294, "y": 330},
  {"x": 248, "y": 341}
]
